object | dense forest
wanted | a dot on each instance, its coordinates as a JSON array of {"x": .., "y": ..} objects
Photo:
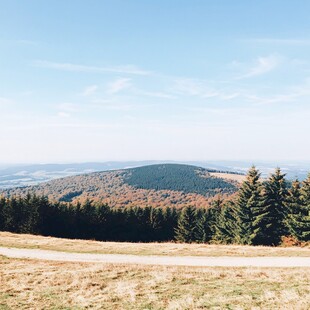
[
  {"x": 261, "y": 213},
  {"x": 176, "y": 177}
]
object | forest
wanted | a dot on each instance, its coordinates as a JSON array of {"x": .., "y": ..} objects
[
  {"x": 261, "y": 213},
  {"x": 184, "y": 178}
]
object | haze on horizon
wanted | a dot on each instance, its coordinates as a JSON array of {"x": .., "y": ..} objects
[{"x": 140, "y": 80}]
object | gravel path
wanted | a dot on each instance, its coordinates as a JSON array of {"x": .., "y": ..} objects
[{"x": 224, "y": 261}]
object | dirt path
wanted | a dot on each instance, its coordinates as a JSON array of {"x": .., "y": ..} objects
[{"x": 158, "y": 260}]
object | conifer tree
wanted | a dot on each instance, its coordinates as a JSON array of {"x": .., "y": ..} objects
[
  {"x": 226, "y": 228},
  {"x": 249, "y": 199},
  {"x": 156, "y": 224},
  {"x": 295, "y": 210},
  {"x": 186, "y": 228},
  {"x": 2, "y": 213},
  {"x": 170, "y": 223},
  {"x": 204, "y": 225},
  {"x": 270, "y": 219},
  {"x": 305, "y": 212}
]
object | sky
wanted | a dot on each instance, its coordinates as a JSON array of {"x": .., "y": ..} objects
[{"x": 154, "y": 80}]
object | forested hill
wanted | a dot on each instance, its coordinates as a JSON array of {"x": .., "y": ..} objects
[
  {"x": 184, "y": 178},
  {"x": 155, "y": 185}
]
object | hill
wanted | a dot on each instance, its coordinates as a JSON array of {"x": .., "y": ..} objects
[
  {"x": 28, "y": 175},
  {"x": 154, "y": 185}
]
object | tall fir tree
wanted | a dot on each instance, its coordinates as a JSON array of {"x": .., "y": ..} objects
[
  {"x": 269, "y": 223},
  {"x": 305, "y": 213},
  {"x": 170, "y": 223},
  {"x": 295, "y": 210},
  {"x": 186, "y": 228},
  {"x": 2, "y": 213},
  {"x": 203, "y": 225},
  {"x": 249, "y": 199},
  {"x": 226, "y": 227}
]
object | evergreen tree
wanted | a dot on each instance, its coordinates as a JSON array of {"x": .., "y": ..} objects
[
  {"x": 2, "y": 213},
  {"x": 88, "y": 220},
  {"x": 249, "y": 199},
  {"x": 156, "y": 224},
  {"x": 203, "y": 225},
  {"x": 305, "y": 210},
  {"x": 226, "y": 228},
  {"x": 295, "y": 210},
  {"x": 104, "y": 219},
  {"x": 270, "y": 219},
  {"x": 186, "y": 228},
  {"x": 171, "y": 216}
]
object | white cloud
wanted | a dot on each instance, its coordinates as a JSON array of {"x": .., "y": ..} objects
[
  {"x": 20, "y": 42},
  {"x": 263, "y": 65},
  {"x": 89, "y": 90},
  {"x": 280, "y": 41},
  {"x": 291, "y": 95},
  {"x": 118, "y": 85},
  {"x": 127, "y": 69},
  {"x": 155, "y": 94},
  {"x": 194, "y": 87},
  {"x": 201, "y": 88}
]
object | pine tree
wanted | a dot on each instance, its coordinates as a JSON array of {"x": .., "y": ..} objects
[
  {"x": 186, "y": 228},
  {"x": 295, "y": 210},
  {"x": 226, "y": 227},
  {"x": 305, "y": 212},
  {"x": 2, "y": 213},
  {"x": 204, "y": 222},
  {"x": 170, "y": 223},
  {"x": 249, "y": 199},
  {"x": 270, "y": 219},
  {"x": 156, "y": 224}
]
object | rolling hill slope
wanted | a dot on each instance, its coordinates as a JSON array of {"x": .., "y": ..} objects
[{"x": 155, "y": 185}]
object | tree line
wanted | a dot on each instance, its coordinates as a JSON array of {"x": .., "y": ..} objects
[{"x": 261, "y": 213}]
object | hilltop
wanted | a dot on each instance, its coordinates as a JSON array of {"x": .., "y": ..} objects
[{"x": 153, "y": 185}]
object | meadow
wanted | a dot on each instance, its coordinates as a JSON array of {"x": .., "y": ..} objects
[
  {"x": 28, "y": 241},
  {"x": 32, "y": 284}
]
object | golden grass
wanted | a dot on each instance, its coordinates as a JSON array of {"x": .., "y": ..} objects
[
  {"x": 229, "y": 176},
  {"x": 88, "y": 246},
  {"x": 30, "y": 284}
]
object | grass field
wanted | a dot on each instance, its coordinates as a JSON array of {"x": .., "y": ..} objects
[
  {"x": 39, "y": 284},
  {"x": 229, "y": 176},
  {"x": 29, "y": 284},
  {"x": 86, "y": 246}
]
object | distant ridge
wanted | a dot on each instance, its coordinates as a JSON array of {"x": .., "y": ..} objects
[{"x": 152, "y": 185}]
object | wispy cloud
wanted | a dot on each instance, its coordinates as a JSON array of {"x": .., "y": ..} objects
[
  {"x": 89, "y": 90},
  {"x": 193, "y": 87},
  {"x": 201, "y": 88},
  {"x": 118, "y": 85},
  {"x": 20, "y": 42},
  {"x": 127, "y": 69},
  {"x": 262, "y": 66},
  {"x": 287, "y": 41},
  {"x": 293, "y": 93}
]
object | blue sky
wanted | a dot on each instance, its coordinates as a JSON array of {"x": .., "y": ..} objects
[{"x": 132, "y": 80}]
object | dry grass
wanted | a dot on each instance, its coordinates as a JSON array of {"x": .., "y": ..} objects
[
  {"x": 28, "y": 284},
  {"x": 88, "y": 246},
  {"x": 229, "y": 176}
]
